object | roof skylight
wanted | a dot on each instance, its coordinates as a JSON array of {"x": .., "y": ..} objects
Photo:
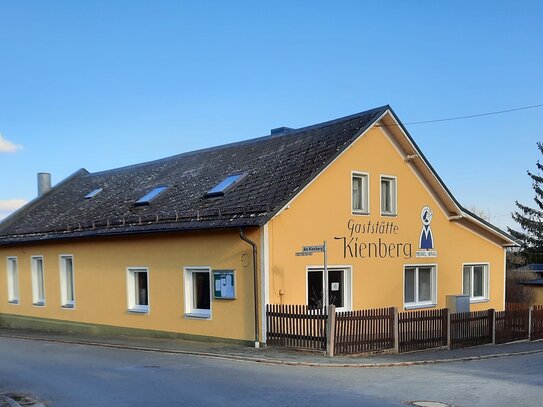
[
  {"x": 226, "y": 185},
  {"x": 151, "y": 195},
  {"x": 92, "y": 194}
]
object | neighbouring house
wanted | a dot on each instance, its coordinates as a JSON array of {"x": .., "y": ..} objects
[
  {"x": 197, "y": 244},
  {"x": 536, "y": 284}
]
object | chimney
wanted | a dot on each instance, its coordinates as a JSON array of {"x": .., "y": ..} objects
[
  {"x": 44, "y": 183},
  {"x": 279, "y": 131}
]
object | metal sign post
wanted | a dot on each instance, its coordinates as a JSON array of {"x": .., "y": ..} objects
[
  {"x": 308, "y": 251},
  {"x": 325, "y": 293}
]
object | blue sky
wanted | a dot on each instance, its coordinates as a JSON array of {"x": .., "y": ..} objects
[{"x": 103, "y": 84}]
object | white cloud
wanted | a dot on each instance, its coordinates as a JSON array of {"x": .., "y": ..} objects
[
  {"x": 10, "y": 205},
  {"x": 7, "y": 146}
]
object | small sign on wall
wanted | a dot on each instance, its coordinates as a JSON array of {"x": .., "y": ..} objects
[{"x": 223, "y": 284}]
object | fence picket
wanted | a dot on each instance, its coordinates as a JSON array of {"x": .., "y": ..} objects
[
  {"x": 373, "y": 330},
  {"x": 537, "y": 322}
]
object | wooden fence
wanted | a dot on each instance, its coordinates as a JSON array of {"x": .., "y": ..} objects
[
  {"x": 364, "y": 331},
  {"x": 354, "y": 332},
  {"x": 297, "y": 326},
  {"x": 471, "y": 328},
  {"x": 512, "y": 324},
  {"x": 537, "y": 323},
  {"x": 422, "y": 329}
]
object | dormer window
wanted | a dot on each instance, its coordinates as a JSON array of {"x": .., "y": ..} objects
[
  {"x": 151, "y": 196},
  {"x": 92, "y": 194},
  {"x": 226, "y": 185}
]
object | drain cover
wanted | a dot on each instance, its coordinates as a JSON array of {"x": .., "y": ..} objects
[{"x": 421, "y": 403}]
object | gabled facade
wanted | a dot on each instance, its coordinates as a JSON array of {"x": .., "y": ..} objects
[{"x": 198, "y": 243}]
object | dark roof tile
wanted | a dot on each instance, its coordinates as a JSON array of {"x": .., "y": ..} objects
[{"x": 278, "y": 167}]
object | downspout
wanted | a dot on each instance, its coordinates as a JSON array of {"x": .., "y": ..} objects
[{"x": 255, "y": 285}]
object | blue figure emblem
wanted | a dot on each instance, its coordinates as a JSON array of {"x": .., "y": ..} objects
[{"x": 426, "y": 237}]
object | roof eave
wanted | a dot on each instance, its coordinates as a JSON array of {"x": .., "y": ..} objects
[{"x": 455, "y": 209}]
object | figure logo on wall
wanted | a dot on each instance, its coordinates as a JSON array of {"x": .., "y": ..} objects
[{"x": 426, "y": 241}]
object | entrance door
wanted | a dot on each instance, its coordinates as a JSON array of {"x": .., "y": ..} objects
[
  {"x": 336, "y": 287},
  {"x": 339, "y": 287}
]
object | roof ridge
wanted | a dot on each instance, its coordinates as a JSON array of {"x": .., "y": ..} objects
[
  {"x": 335, "y": 121},
  {"x": 245, "y": 142}
]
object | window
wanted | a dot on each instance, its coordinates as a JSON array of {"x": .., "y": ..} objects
[
  {"x": 360, "y": 194},
  {"x": 13, "y": 281},
  {"x": 475, "y": 282},
  {"x": 198, "y": 292},
  {"x": 388, "y": 196},
  {"x": 151, "y": 196},
  {"x": 138, "y": 290},
  {"x": 67, "y": 297},
  {"x": 38, "y": 284},
  {"x": 339, "y": 292},
  {"x": 420, "y": 286},
  {"x": 93, "y": 193},
  {"x": 226, "y": 185}
]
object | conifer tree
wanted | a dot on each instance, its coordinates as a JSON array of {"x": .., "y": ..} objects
[{"x": 531, "y": 220}]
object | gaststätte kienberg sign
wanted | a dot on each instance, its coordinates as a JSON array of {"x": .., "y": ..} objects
[{"x": 379, "y": 239}]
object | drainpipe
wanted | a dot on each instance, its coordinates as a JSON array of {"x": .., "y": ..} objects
[{"x": 246, "y": 239}]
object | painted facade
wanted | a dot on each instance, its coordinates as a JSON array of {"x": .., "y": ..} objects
[
  {"x": 394, "y": 235},
  {"x": 101, "y": 282},
  {"x": 375, "y": 248},
  {"x": 538, "y": 297}
]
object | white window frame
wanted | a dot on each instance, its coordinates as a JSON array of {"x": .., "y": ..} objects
[
  {"x": 365, "y": 198},
  {"x": 131, "y": 281},
  {"x": 64, "y": 301},
  {"x": 13, "y": 279},
  {"x": 347, "y": 284},
  {"x": 486, "y": 281},
  {"x": 394, "y": 195},
  {"x": 190, "y": 310},
  {"x": 433, "y": 281},
  {"x": 36, "y": 300}
]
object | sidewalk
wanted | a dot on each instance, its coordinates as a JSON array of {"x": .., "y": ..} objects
[{"x": 278, "y": 355}]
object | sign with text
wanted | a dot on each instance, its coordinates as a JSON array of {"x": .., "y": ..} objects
[
  {"x": 313, "y": 249},
  {"x": 374, "y": 239},
  {"x": 223, "y": 284}
]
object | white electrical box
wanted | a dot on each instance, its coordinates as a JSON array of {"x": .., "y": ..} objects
[{"x": 458, "y": 303}]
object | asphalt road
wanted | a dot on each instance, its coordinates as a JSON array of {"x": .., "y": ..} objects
[{"x": 78, "y": 375}]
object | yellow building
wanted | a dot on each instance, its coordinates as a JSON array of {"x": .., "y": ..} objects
[{"x": 197, "y": 244}]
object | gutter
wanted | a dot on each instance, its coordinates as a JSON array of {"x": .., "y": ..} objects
[{"x": 255, "y": 285}]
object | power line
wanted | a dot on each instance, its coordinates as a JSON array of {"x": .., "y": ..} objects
[{"x": 476, "y": 115}]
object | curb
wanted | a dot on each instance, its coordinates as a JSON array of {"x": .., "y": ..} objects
[
  {"x": 28, "y": 401},
  {"x": 251, "y": 359},
  {"x": 10, "y": 401}
]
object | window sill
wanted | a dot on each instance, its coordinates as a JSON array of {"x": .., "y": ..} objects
[
  {"x": 478, "y": 300},
  {"x": 138, "y": 311},
  {"x": 389, "y": 215},
  {"x": 13, "y": 302},
  {"x": 419, "y": 306},
  {"x": 68, "y": 306},
  {"x": 192, "y": 315},
  {"x": 39, "y": 304}
]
